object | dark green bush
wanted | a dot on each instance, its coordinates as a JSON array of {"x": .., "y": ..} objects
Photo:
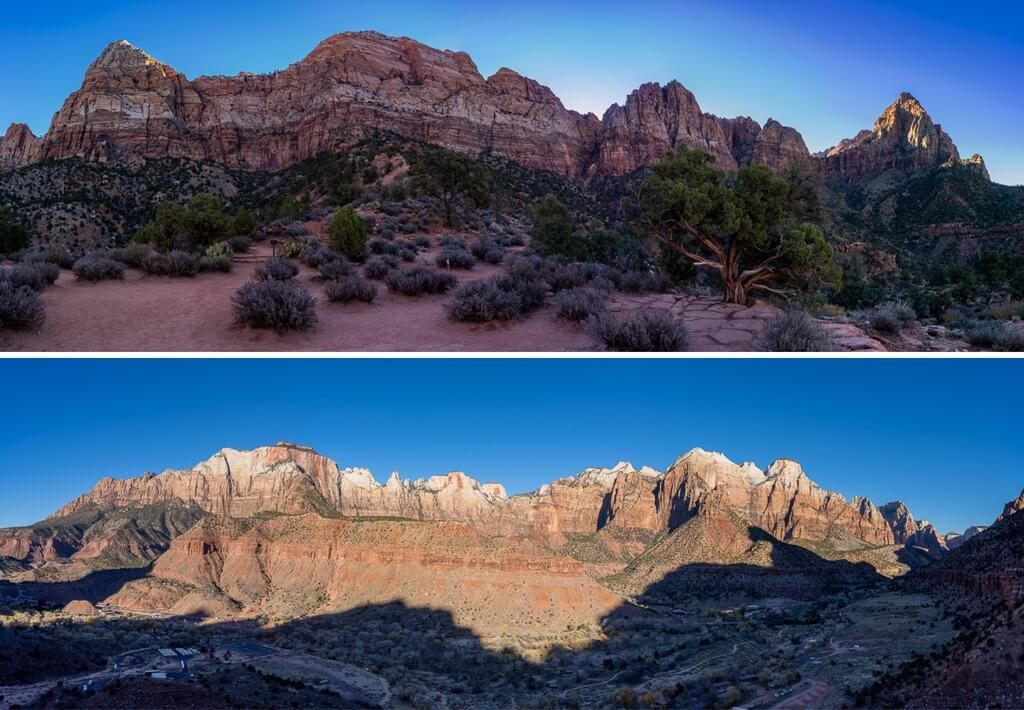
[{"x": 349, "y": 233}]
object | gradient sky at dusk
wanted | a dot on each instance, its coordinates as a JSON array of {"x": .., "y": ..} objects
[
  {"x": 827, "y": 68},
  {"x": 942, "y": 435}
]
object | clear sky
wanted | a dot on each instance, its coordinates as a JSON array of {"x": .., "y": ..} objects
[
  {"x": 826, "y": 67},
  {"x": 942, "y": 435}
]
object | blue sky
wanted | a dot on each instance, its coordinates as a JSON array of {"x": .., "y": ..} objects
[
  {"x": 942, "y": 435},
  {"x": 827, "y": 68}
]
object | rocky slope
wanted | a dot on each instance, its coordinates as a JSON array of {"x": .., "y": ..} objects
[
  {"x": 301, "y": 565},
  {"x": 354, "y": 85},
  {"x": 630, "y": 502}
]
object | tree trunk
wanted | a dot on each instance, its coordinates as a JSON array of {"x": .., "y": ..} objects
[{"x": 735, "y": 288}]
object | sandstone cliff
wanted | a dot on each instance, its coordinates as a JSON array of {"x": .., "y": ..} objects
[{"x": 356, "y": 84}]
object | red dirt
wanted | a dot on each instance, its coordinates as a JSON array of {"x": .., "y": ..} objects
[{"x": 153, "y": 314}]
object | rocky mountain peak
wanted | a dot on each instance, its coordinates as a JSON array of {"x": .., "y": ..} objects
[
  {"x": 122, "y": 54},
  {"x": 1013, "y": 507},
  {"x": 19, "y": 147}
]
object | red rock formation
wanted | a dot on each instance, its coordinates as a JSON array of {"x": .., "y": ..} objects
[
  {"x": 315, "y": 564},
  {"x": 904, "y": 138},
  {"x": 18, "y": 147}
]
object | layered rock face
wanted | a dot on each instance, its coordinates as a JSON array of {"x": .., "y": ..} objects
[
  {"x": 913, "y": 532},
  {"x": 292, "y": 479},
  {"x": 904, "y": 138},
  {"x": 18, "y": 147},
  {"x": 354, "y": 85},
  {"x": 310, "y": 564}
]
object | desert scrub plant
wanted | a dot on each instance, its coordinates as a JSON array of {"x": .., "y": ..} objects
[
  {"x": 175, "y": 264},
  {"x": 349, "y": 233},
  {"x": 891, "y": 317},
  {"x": 422, "y": 241},
  {"x": 498, "y": 298},
  {"x": 290, "y": 249},
  {"x": 382, "y": 246},
  {"x": 131, "y": 255},
  {"x": 407, "y": 254},
  {"x": 420, "y": 280},
  {"x": 377, "y": 268},
  {"x": 276, "y": 269},
  {"x": 240, "y": 245},
  {"x": 35, "y": 276},
  {"x": 21, "y": 308},
  {"x": 579, "y": 304},
  {"x": 53, "y": 254},
  {"x": 1011, "y": 310},
  {"x": 274, "y": 305},
  {"x": 643, "y": 281},
  {"x": 209, "y": 264},
  {"x": 985, "y": 335},
  {"x": 220, "y": 250},
  {"x": 649, "y": 331},
  {"x": 794, "y": 332},
  {"x": 351, "y": 288},
  {"x": 335, "y": 267},
  {"x": 94, "y": 267},
  {"x": 452, "y": 257},
  {"x": 312, "y": 255},
  {"x": 488, "y": 251}
]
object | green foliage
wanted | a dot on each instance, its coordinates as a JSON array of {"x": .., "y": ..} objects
[
  {"x": 289, "y": 207},
  {"x": 195, "y": 226},
  {"x": 349, "y": 233},
  {"x": 14, "y": 236},
  {"x": 448, "y": 175},
  {"x": 553, "y": 228},
  {"x": 243, "y": 224},
  {"x": 747, "y": 226}
]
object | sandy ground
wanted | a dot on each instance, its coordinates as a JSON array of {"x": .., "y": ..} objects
[{"x": 153, "y": 314}]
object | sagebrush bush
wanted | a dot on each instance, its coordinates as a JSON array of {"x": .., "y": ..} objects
[
  {"x": 1011, "y": 341},
  {"x": 649, "y": 331},
  {"x": 53, "y": 254},
  {"x": 36, "y": 276},
  {"x": 131, "y": 255},
  {"x": 488, "y": 251},
  {"x": 94, "y": 267},
  {"x": 499, "y": 298},
  {"x": 643, "y": 282},
  {"x": 984, "y": 335},
  {"x": 891, "y": 317},
  {"x": 377, "y": 269},
  {"x": 1011, "y": 310},
  {"x": 455, "y": 258},
  {"x": 407, "y": 255},
  {"x": 530, "y": 268},
  {"x": 794, "y": 332},
  {"x": 351, "y": 288},
  {"x": 420, "y": 280},
  {"x": 276, "y": 269},
  {"x": 175, "y": 264},
  {"x": 422, "y": 241},
  {"x": 21, "y": 308},
  {"x": 274, "y": 305},
  {"x": 579, "y": 304},
  {"x": 382, "y": 246},
  {"x": 312, "y": 255},
  {"x": 336, "y": 267}
]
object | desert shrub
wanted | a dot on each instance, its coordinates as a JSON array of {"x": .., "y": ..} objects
[
  {"x": 407, "y": 255},
  {"x": 1011, "y": 341},
  {"x": 51, "y": 254},
  {"x": 455, "y": 258},
  {"x": 336, "y": 267},
  {"x": 274, "y": 305},
  {"x": 276, "y": 269},
  {"x": 35, "y": 276},
  {"x": 579, "y": 304},
  {"x": 377, "y": 269},
  {"x": 422, "y": 241},
  {"x": 649, "y": 331},
  {"x": 21, "y": 308},
  {"x": 420, "y": 280},
  {"x": 794, "y": 332},
  {"x": 891, "y": 317},
  {"x": 94, "y": 267},
  {"x": 382, "y": 246},
  {"x": 984, "y": 335},
  {"x": 643, "y": 282},
  {"x": 243, "y": 224},
  {"x": 174, "y": 263},
  {"x": 215, "y": 263},
  {"x": 291, "y": 249},
  {"x": 240, "y": 244},
  {"x": 530, "y": 268},
  {"x": 351, "y": 288},
  {"x": 499, "y": 298},
  {"x": 1011, "y": 310},
  {"x": 131, "y": 255},
  {"x": 312, "y": 255},
  {"x": 349, "y": 233},
  {"x": 450, "y": 240},
  {"x": 14, "y": 235},
  {"x": 488, "y": 251}
]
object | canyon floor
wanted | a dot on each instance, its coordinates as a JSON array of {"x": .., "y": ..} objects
[{"x": 155, "y": 314}]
